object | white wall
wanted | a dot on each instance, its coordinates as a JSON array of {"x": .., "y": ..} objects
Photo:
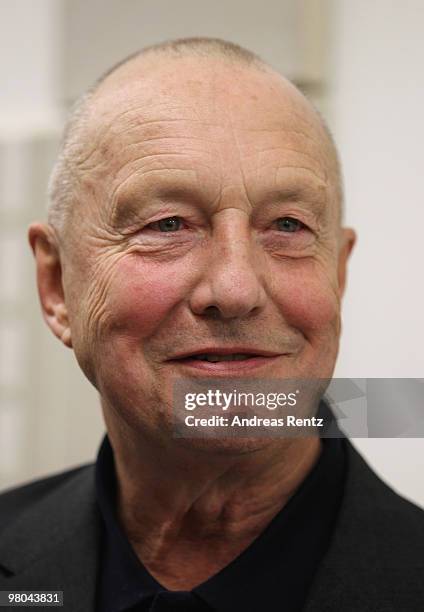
[
  {"x": 46, "y": 421},
  {"x": 28, "y": 117},
  {"x": 377, "y": 113},
  {"x": 29, "y": 63}
]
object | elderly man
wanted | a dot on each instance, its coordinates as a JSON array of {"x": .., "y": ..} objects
[{"x": 195, "y": 232}]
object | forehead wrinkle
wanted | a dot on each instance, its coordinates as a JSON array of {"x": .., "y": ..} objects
[
  {"x": 112, "y": 125},
  {"x": 150, "y": 156},
  {"x": 296, "y": 133},
  {"x": 263, "y": 162},
  {"x": 152, "y": 146},
  {"x": 155, "y": 158},
  {"x": 111, "y": 137},
  {"x": 162, "y": 126},
  {"x": 300, "y": 154},
  {"x": 306, "y": 169},
  {"x": 310, "y": 140},
  {"x": 140, "y": 110},
  {"x": 283, "y": 123},
  {"x": 289, "y": 140}
]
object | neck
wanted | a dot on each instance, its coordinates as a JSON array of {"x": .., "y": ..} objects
[{"x": 184, "y": 506}]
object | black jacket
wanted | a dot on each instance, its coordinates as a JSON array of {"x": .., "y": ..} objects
[{"x": 50, "y": 535}]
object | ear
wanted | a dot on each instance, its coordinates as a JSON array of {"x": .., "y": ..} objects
[
  {"x": 347, "y": 241},
  {"x": 44, "y": 244}
]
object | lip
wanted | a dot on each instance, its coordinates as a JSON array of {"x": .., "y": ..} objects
[
  {"x": 227, "y": 350},
  {"x": 258, "y": 360}
]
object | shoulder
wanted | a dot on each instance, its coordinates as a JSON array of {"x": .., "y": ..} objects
[
  {"x": 378, "y": 524},
  {"x": 388, "y": 513},
  {"x": 50, "y": 536},
  {"x": 375, "y": 559},
  {"x": 20, "y": 500}
]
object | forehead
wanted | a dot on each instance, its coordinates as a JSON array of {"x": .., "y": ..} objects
[
  {"x": 211, "y": 90},
  {"x": 198, "y": 113}
]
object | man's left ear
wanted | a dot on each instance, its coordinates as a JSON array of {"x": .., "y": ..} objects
[{"x": 347, "y": 241}]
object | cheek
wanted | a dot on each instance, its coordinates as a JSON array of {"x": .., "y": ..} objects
[
  {"x": 142, "y": 296},
  {"x": 308, "y": 299}
]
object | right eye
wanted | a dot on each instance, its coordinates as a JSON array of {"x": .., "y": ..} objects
[{"x": 169, "y": 224}]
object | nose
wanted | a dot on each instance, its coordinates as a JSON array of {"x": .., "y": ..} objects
[{"x": 231, "y": 284}]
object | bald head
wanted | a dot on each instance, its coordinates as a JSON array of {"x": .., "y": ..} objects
[{"x": 171, "y": 70}]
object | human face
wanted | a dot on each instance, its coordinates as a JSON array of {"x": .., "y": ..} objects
[{"x": 210, "y": 225}]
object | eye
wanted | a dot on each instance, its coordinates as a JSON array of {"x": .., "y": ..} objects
[
  {"x": 288, "y": 224},
  {"x": 169, "y": 224}
]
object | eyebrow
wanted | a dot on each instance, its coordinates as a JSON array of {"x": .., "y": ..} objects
[
  {"x": 140, "y": 192},
  {"x": 294, "y": 188},
  {"x": 315, "y": 197}
]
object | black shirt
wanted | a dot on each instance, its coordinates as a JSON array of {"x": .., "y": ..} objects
[{"x": 273, "y": 573}]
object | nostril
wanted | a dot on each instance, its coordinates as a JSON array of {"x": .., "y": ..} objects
[{"x": 212, "y": 312}]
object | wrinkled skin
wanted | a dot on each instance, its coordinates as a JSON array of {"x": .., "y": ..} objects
[{"x": 230, "y": 153}]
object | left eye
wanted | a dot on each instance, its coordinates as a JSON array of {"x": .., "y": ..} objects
[
  {"x": 288, "y": 224},
  {"x": 169, "y": 224}
]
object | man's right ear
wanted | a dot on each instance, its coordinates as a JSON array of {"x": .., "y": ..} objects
[{"x": 45, "y": 247}]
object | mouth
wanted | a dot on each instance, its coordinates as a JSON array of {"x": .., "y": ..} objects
[
  {"x": 214, "y": 357},
  {"x": 226, "y": 360}
]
